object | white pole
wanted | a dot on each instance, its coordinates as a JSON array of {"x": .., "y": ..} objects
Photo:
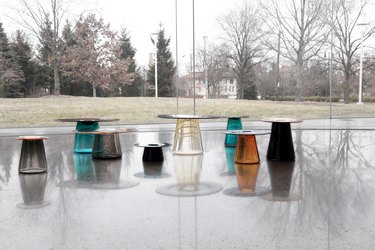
[
  {"x": 360, "y": 73},
  {"x": 360, "y": 64},
  {"x": 156, "y": 68}
]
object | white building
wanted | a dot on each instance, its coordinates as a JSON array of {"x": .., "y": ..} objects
[{"x": 225, "y": 87}]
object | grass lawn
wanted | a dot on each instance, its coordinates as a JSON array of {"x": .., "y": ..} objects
[{"x": 31, "y": 112}]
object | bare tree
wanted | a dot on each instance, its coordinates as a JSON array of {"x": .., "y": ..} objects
[
  {"x": 214, "y": 61},
  {"x": 301, "y": 27},
  {"x": 242, "y": 29},
  {"x": 345, "y": 24},
  {"x": 95, "y": 55},
  {"x": 33, "y": 15}
]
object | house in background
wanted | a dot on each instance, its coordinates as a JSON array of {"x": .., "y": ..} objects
[{"x": 222, "y": 84}]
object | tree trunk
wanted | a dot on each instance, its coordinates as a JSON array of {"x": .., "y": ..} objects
[
  {"x": 93, "y": 90},
  {"x": 346, "y": 88},
  {"x": 298, "y": 93},
  {"x": 56, "y": 78}
]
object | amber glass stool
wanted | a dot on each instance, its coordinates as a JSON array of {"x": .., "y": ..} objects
[
  {"x": 83, "y": 142},
  {"x": 280, "y": 147},
  {"x": 233, "y": 123},
  {"x": 152, "y": 160},
  {"x": 187, "y": 137},
  {"x": 33, "y": 157}
]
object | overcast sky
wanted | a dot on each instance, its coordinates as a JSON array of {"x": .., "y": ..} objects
[{"x": 142, "y": 17}]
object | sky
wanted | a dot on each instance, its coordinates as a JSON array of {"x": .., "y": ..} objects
[{"x": 142, "y": 17}]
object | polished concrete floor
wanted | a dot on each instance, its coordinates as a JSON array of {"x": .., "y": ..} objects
[{"x": 323, "y": 200}]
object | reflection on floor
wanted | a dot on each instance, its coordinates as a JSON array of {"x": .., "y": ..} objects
[{"x": 322, "y": 200}]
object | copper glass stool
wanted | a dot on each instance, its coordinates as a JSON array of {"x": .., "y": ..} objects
[
  {"x": 33, "y": 157},
  {"x": 246, "y": 163},
  {"x": 152, "y": 159}
]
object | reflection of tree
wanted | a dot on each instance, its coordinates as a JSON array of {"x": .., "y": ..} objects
[
  {"x": 327, "y": 166},
  {"x": 7, "y": 145}
]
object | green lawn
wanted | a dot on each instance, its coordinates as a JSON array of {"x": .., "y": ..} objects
[{"x": 132, "y": 110}]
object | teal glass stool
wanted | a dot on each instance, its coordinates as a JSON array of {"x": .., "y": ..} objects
[
  {"x": 83, "y": 139},
  {"x": 83, "y": 142},
  {"x": 233, "y": 123}
]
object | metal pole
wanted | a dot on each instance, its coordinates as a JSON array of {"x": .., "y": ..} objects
[
  {"x": 177, "y": 77},
  {"x": 205, "y": 65},
  {"x": 194, "y": 54},
  {"x": 330, "y": 64},
  {"x": 156, "y": 68},
  {"x": 277, "y": 68},
  {"x": 360, "y": 72}
]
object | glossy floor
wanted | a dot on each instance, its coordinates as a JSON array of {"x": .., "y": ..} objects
[{"x": 329, "y": 204}]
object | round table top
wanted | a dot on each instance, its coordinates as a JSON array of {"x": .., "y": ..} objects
[
  {"x": 282, "y": 120},
  {"x": 237, "y": 116},
  {"x": 32, "y": 137},
  {"x": 189, "y": 116},
  {"x": 152, "y": 145},
  {"x": 246, "y": 132},
  {"x": 107, "y": 131},
  {"x": 88, "y": 119}
]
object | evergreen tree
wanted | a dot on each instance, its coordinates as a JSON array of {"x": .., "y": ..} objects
[
  {"x": 23, "y": 52},
  {"x": 45, "y": 53},
  {"x": 128, "y": 52},
  {"x": 11, "y": 75},
  {"x": 166, "y": 68}
]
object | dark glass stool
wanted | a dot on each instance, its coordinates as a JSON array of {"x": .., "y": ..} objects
[
  {"x": 280, "y": 147},
  {"x": 152, "y": 160},
  {"x": 33, "y": 157}
]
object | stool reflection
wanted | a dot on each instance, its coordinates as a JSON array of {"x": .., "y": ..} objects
[
  {"x": 107, "y": 171},
  {"x": 247, "y": 175},
  {"x": 83, "y": 166},
  {"x": 284, "y": 186},
  {"x": 188, "y": 169},
  {"x": 230, "y": 152},
  {"x": 33, "y": 188}
]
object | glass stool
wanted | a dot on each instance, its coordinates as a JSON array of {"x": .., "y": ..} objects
[
  {"x": 33, "y": 157},
  {"x": 187, "y": 137},
  {"x": 152, "y": 160},
  {"x": 83, "y": 142},
  {"x": 233, "y": 123},
  {"x": 280, "y": 147}
]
